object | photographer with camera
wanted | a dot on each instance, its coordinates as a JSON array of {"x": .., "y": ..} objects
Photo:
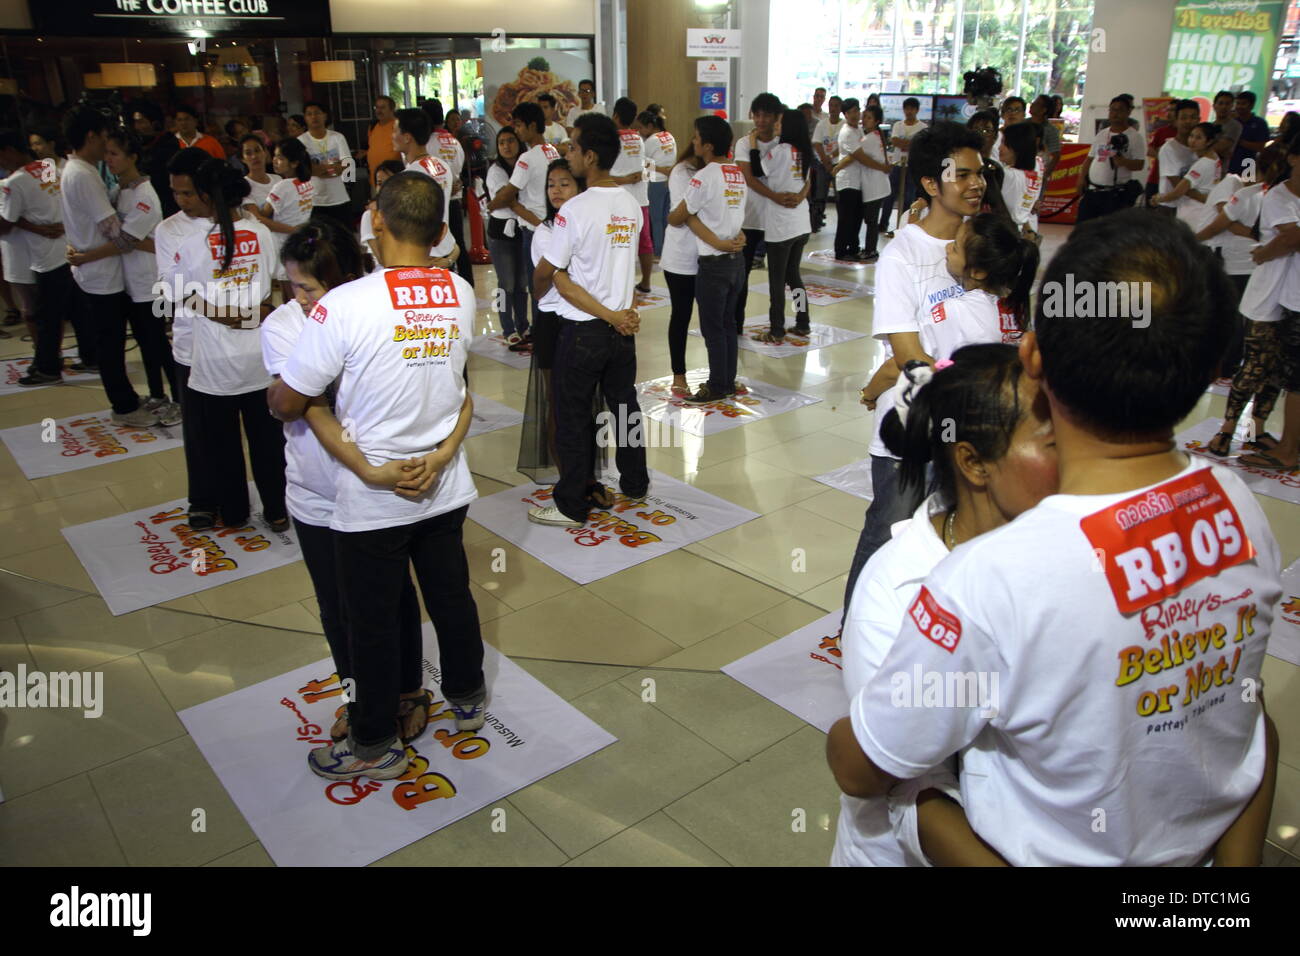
[{"x": 1107, "y": 184}]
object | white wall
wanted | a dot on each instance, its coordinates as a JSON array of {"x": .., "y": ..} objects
[
  {"x": 1137, "y": 46},
  {"x": 751, "y": 72}
]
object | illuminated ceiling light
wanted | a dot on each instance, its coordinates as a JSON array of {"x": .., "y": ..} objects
[
  {"x": 128, "y": 74},
  {"x": 333, "y": 71}
]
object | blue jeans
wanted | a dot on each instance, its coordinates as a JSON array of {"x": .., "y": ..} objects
[
  {"x": 717, "y": 290},
  {"x": 508, "y": 261},
  {"x": 890, "y": 503},
  {"x": 658, "y": 214}
]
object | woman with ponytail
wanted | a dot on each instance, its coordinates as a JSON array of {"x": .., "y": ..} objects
[
  {"x": 660, "y": 157},
  {"x": 980, "y": 427},
  {"x": 787, "y": 170},
  {"x": 226, "y": 271},
  {"x": 289, "y": 202},
  {"x": 996, "y": 266}
]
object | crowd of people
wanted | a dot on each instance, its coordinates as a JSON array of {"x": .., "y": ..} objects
[{"x": 1007, "y": 441}]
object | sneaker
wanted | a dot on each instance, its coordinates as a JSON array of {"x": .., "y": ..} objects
[
  {"x": 803, "y": 330},
  {"x": 34, "y": 378},
  {"x": 81, "y": 368},
  {"x": 472, "y": 717},
  {"x": 140, "y": 418},
  {"x": 169, "y": 414},
  {"x": 869, "y": 257},
  {"x": 553, "y": 516},
  {"x": 703, "y": 396},
  {"x": 337, "y": 762},
  {"x": 153, "y": 403}
]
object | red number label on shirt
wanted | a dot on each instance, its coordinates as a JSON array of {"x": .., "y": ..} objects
[
  {"x": 421, "y": 288},
  {"x": 934, "y": 621}
]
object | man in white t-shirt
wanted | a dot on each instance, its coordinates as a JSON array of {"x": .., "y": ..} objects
[
  {"x": 914, "y": 291},
  {"x": 591, "y": 261},
  {"x": 1128, "y": 728},
  {"x": 89, "y": 220},
  {"x": 403, "y": 394},
  {"x": 765, "y": 110},
  {"x": 525, "y": 194},
  {"x": 630, "y": 172},
  {"x": 447, "y": 148},
  {"x": 899, "y": 138},
  {"x": 1176, "y": 157},
  {"x": 332, "y": 166},
  {"x": 586, "y": 104},
  {"x": 1116, "y": 154},
  {"x": 555, "y": 132},
  {"x": 411, "y": 132},
  {"x": 824, "y": 141}
]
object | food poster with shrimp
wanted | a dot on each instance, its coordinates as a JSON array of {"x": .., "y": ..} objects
[
  {"x": 819, "y": 337},
  {"x": 521, "y": 74},
  {"x": 800, "y": 672},
  {"x": 146, "y": 557},
  {"x": 668, "y": 411},
  {"x": 257, "y": 740},
  {"x": 55, "y": 446},
  {"x": 673, "y": 515},
  {"x": 1275, "y": 484}
]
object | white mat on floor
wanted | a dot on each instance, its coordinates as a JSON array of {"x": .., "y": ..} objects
[
  {"x": 82, "y": 441},
  {"x": 764, "y": 401},
  {"x": 854, "y": 478},
  {"x": 490, "y": 415},
  {"x": 1275, "y": 484},
  {"x": 826, "y": 257},
  {"x": 493, "y": 345},
  {"x": 257, "y": 740},
  {"x": 145, "y": 557},
  {"x": 11, "y": 370},
  {"x": 1220, "y": 386},
  {"x": 800, "y": 672},
  {"x": 673, "y": 516},
  {"x": 823, "y": 290},
  {"x": 1284, "y": 641},
  {"x": 656, "y": 298},
  {"x": 821, "y": 337}
]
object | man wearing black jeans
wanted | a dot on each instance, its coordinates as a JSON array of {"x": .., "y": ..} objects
[
  {"x": 89, "y": 220},
  {"x": 848, "y": 184},
  {"x": 765, "y": 111},
  {"x": 591, "y": 260},
  {"x": 448, "y": 148},
  {"x": 403, "y": 400}
]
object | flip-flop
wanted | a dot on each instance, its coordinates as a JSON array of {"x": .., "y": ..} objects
[
  {"x": 1264, "y": 460},
  {"x": 1209, "y": 446},
  {"x": 1263, "y": 442}
]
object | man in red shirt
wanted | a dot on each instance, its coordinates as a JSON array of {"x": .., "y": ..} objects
[{"x": 187, "y": 131}]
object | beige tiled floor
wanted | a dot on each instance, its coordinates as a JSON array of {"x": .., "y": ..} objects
[{"x": 707, "y": 773}]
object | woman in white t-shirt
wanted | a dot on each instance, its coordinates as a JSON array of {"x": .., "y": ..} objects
[
  {"x": 227, "y": 270},
  {"x": 252, "y": 150},
  {"x": 318, "y": 256},
  {"x": 680, "y": 262},
  {"x": 977, "y": 424},
  {"x": 289, "y": 203},
  {"x": 1191, "y": 190},
  {"x": 1022, "y": 177},
  {"x": 660, "y": 154},
  {"x": 140, "y": 213},
  {"x": 787, "y": 170},
  {"x": 366, "y": 231},
  {"x": 505, "y": 242}
]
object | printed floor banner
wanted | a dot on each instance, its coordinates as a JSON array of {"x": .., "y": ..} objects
[
  {"x": 12, "y": 369},
  {"x": 490, "y": 415},
  {"x": 493, "y": 345},
  {"x": 823, "y": 290},
  {"x": 1220, "y": 386},
  {"x": 800, "y": 672},
  {"x": 656, "y": 298},
  {"x": 145, "y": 557},
  {"x": 826, "y": 257},
  {"x": 53, "y": 447},
  {"x": 662, "y": 407},
  {"x": 1284, "y": 642},
  {"x": 1275, "y": 484},
  {"x": 855, "y": 478},
  {"x": 821, "y": 337},
  {"x": 257, "y": 740},
  {"x": 674, "y": 515}
]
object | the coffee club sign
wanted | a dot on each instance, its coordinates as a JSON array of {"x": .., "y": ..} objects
[{"x": 191, "y": 18}]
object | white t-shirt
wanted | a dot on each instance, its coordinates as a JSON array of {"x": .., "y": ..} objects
[
  {"x": 85, "y": 206},
  {"x": 330, "y": 191},
  {"x": 915, "y": 293},
  {"x": 555, "y": 134},
  {"x": 168, "y": 239},
  {"x": 496, "y": 178},
  {"x": 1262, "y": 300},
  {"x": 141, "y": 212},
  {"x": 680, "y": 254},
  {"x": 716, "y": 194},
  {"x": 1204, "y": 176},
  {"x": 447, "y": 148},
  {"x": 400, "y": 392},
  {"x": 755, "y": 205},
  {"x": 577, "y": 111},
  {"x": 1242, "y": 207},
  {"x": 291, "y": 203},
  {"x": 1020, "y": 190},
  {"x": 631, "y": 159},
  {"x": 17, "y": 260},
  {"x": 884, "y": 590},
  {"x": 310, "y": 471},
  {"x": 827, "y": 133},
  {"x": 529, "y": 178},
  {"x": 541, "y": 243},
  {"x": 782, "y": 170},
  {"x": 901, "y": 130},
  {"x": 1092, "y": 719},
  {"x": 440, "y": 173},
  {"x": 848, "y": 141},
  {"x": 1100, "y": 153},
  {"x": 366, "y": 232},
  {"x": 660, "y": 150},
  {"x": 1174, "y": 160},
  {"x": 33, "y": 193},
  {"x": 224, "y": 360},
  {"x": 873, "y": 183},
  {"x": 595, "y": 239},
  {"x": 259, "y": 191}
]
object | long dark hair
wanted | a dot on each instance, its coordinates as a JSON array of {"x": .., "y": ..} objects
[
  {"x": 976, "y": 399},
  {"x": 327, "y": 252},
  {"x": 1022, "y": 139},
  {"x": 794, "y": 130},
  {"x": 564, "y": 165},
  {"x": 688, "y": 156},
  {"x": 652, "y": 119},
  {"x": 225, "y": 190},
  {"x": 519, "y": 147},
  {"x": 995, "y": 246},
  {"x": 296, "y": 153}
]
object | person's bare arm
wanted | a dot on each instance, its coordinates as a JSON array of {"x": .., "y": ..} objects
[
  {"x": 1220, "y": 223},
  {"x": 679, "y": 215},
  {"x": 543, "y": 279},
  {"x": 50, "y": 230},
  {"x": 946, "y": 835},
  {"x": 882, "y": 381},
  {"x": 755, "y": 184},
  {"x": 1284, "y": 243},
  {"x": 627, "y": 321},
  {"x": 708, "y": 235},
  {"x": 343, "y": 448},
  {"x": 1183, "y": 188},
  {"x": 907, "y": 347},
  {"x": 1243, "y": 842},
  {"x": 80, "y": 257},
  {"x": 853, "y": 770},
  {"x": 861, "y": 156},
  {"x": 504, "y": 199},
  {"x": 821, "y": 154}
]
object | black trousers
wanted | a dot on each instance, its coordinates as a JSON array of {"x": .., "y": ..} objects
[
  {"x": 783, "y": 261},
  {"x": 817, "y": 200},
  {"x": 848, "y": 206},
  {"x": 372, "y": 566},
  {"x": 753, "y": 239},
  {"x": 150, "y": 332},
  {"x": 58, "y": 298},
  {"x": 589, "y": 356},
  {"x": 681, "y": 293},
  {"x": 456, "y": 226},
  {"x": 108, "y": 315},
  {"x": 193, "y": 477},
  {"x": 717, "y": 285},
  {"x": 217, "y": 482}
]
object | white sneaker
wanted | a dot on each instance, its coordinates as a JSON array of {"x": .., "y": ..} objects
[
  {"x": 553, "y": 516},
  {"x": 140, "y": 418},
  {"x": 169, "y": 413}
]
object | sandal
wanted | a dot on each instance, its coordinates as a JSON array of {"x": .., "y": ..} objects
[
  {"x": 643, "y": 289},
  {"x": 341, "y": 716},
  {"x": 600, "y": 495},
  {"x": 1218, "y": 448},
  {"x": 769, "y": 339},
  {"x": 680, "y": 391},
  {"x": 1267, "y": 462},
  {"x": 1264, "y": 442},
  {"x": 410, "y": 706}
]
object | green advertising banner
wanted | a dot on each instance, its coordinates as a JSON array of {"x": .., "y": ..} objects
[{"x": 1223, "y": 45}]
